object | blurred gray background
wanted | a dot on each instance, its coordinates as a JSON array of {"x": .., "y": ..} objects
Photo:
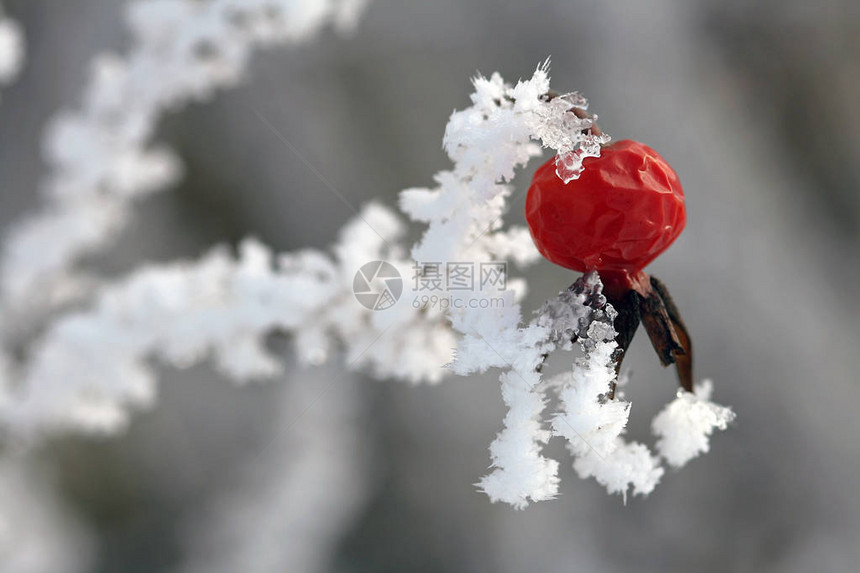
[{"x": 754, "y": 104}]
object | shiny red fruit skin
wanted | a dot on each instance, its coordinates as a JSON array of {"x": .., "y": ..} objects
[{"x": 625, "y": 209}]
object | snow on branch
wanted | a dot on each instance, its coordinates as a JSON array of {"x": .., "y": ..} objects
[
  {"x": 92, "y": 366},
  {"x": 99, "y": 155},
  {"x": 592, "y": 423},
  {"x": 487, "y": 143}
]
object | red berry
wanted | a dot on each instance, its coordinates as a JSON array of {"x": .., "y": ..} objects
[{"x": 625, "y": 209}]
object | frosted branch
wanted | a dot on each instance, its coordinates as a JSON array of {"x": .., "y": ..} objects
[
  {"x": 100, "y": 158},
  {"x": 92, "y": 366}
]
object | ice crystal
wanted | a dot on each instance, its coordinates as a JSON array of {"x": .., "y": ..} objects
[{"x": 685, "y": 425}]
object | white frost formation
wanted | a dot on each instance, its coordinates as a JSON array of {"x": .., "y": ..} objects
[
  {"x": 592, "y": 424},
  {"x": 92, "y": 366},
  {"x": 99, "y": 156},
  {"x": 685, "y": 425}
]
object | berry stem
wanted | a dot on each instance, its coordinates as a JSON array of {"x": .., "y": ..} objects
[
  {"x": 683, "y": 359},
  {"x": 638, "y": 297},
  {"x": 618, "y": 282}
]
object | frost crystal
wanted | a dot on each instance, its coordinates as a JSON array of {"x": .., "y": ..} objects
[
  {"x": 685, "y": 424},
  {"x": 593, "y": 424}
]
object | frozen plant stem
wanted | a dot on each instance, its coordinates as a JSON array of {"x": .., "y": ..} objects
[{"x": 100, "y": 155}]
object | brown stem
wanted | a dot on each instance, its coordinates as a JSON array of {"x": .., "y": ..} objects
[
  {"x": 658, "y": 314},
  {"x": 684, "y": 359},
  {"x": 659, "y": 327}
]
